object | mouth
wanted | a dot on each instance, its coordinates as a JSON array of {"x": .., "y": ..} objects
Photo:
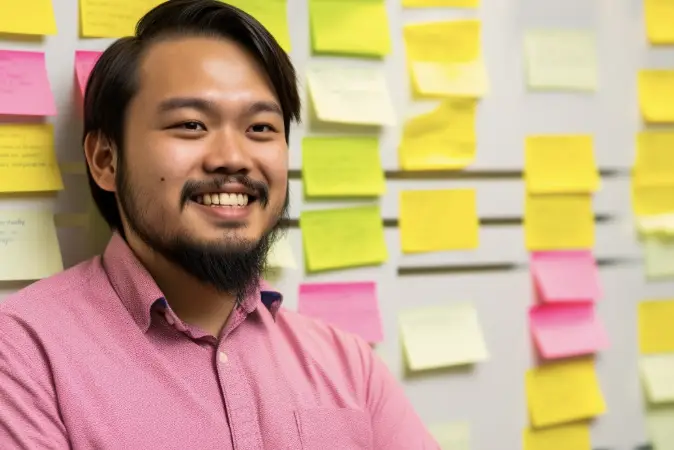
[{"x": 224, "y": 200}]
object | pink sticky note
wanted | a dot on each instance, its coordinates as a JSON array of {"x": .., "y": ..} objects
[
  {"x": 566, "y": 276},
  {"x": 84, "y": 64},
  {"x": 24, "y": 86},
  {"x": 352, "y": 307},
  {"x": 564, "y": 330}
]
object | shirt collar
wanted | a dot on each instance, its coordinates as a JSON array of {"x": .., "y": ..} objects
[{"x": 139, "y": 292}]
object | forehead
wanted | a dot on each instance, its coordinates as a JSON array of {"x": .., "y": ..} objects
[{"x": 202, "y": 66}]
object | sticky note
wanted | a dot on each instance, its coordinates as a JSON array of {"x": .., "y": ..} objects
[
  {"x": 29, "y": 247},
  {"x": 352, "y": 307},
  {"x": 436, "y": 220},
  {"x": 112, "y": 18},
  {"x": 659, "y": 257},
  {"x": 350, "y": 95},
  {"x": 660, "y": 426},
  {"x": 281, "y": 254},
  {"x": 343, "y": 237},
  {"x": 442, "y": 336},
  {"x": 654, "y": 165},
  {"x": 351, "y": 27},
  {"x": 559, "y": 222},
  {"x": 558, "y": 59},
  {"x": 656, "y": 95},
  {"x": 443, "y": 139},
  {"x": 562, "y": 330},
  {"x": 441, "y": 71},
  {"x": 560, "y": 164},
  {"x": 440, "y": 3},
  {"x": 24, "y": 86},
  {"x": 27, "y": 158},
  {"x": 552, "y": 270},
  {"x": 84, "y": 64},
  {"x": 563, "y": 391},
  {"x": 451, "y": 435},
  {"x": 342, "y": 167},
  {"x": 656, "y": 333},
  {"x": 574, "y": 436},
  {"x": 657, "y": 373},
  {"x": 272, "y": 14},
  {"x": 35, "y": 17},
  {"x": 652, "y": 200},
  {"x": 659, "y": 15},
  {"x": 656, "y": 226}
]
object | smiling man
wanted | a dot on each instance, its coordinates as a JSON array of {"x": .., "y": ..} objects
[{"x": 170, "y": 339}]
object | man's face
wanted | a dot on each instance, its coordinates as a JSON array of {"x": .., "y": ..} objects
[{"x": 204, "y": 173}]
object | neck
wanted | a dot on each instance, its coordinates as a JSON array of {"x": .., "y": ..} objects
[{"x": 194, "y": 302}]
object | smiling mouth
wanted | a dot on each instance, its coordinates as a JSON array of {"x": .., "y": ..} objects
[{"x": 224, "y": 200}]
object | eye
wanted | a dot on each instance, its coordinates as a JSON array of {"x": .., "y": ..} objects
[
  {"x": 191, "y": 126},
  {"x": 262, "y": 128}
]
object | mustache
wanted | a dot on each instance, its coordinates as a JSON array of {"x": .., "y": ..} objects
[{"x": 193, "y": 187}]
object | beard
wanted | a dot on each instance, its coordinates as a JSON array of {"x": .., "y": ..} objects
[{"x": 230, "y": 265}]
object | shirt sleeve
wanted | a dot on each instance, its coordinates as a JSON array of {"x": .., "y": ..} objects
[
  {"x": 29, "y": 414},
  {"x": 395, "y": 424}
]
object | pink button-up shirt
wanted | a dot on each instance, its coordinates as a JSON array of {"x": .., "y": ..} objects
[{"x": 94, "y": 358}]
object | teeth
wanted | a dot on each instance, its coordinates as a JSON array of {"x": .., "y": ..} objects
[{"x": 223, "y": 199}]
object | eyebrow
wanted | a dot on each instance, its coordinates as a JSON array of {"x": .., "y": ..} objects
[{"x": 208, "y": 107}]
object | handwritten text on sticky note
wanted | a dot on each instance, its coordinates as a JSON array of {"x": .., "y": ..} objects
[
  {"x": 24, "y": 86},
  {"x": 84, "y": 64}
]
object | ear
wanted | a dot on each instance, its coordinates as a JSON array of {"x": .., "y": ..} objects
[{"x": 101, "y": 159}]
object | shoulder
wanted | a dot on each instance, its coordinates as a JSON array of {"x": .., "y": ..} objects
[{"x": 51, "y": 303}]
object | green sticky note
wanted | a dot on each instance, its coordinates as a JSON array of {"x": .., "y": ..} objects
[
  {"x": 451, "y": 435},
  {"x": 659, "y": 256},
  {"x": 352, "y": 27},
  {"x": 660, "y": 425},
  {"x": 272, "y": 14},
  {"x": 342, "y": 167},
  {"x": 343, "y": 237}
]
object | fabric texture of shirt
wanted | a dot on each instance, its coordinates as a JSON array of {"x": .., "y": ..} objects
[{"x": 94, "y": 358}]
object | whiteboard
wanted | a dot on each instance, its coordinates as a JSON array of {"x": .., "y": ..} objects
[{"x": 495, "y": 277}]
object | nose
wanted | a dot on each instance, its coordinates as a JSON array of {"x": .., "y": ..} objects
[{"x": 227, "y": 154}]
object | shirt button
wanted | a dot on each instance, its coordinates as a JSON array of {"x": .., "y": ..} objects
[{"x": 222, "y": 357}]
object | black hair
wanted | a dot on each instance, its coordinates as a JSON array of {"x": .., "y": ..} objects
[{"x": 114, "y": 79}]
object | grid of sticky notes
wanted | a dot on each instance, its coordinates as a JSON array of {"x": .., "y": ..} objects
[{"x": 28, "y": 163}]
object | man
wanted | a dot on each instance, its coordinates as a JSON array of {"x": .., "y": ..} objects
[{"x": 169, "y": 340}]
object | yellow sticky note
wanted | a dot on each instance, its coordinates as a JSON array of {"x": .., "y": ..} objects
[
  {"x": 561, "y": 60},
  {"x": 660, "y": 426},
  {"x": 352, "y": 27},
  {"x": 436, "y": 220},
  {"x": 272, "y": 14},
  {"x": 343, "y": 237},
  {"x": 440, "y": 71},
  {"x": 451, "y": 435},
  {"x": 574, "y": 436},
  {"x": 559, "y": 222},
  {"x": 659, "y": 257},
  {"x": 657, "y": 373},
  {"x": 652, "y": 200},
  {"x": 654, "y": 165},
  {"x": 27, "y": 159},
  {"x": 442, "y": 336},
  {"x": 656, "y": 95},
  {"x": 563, "y": 391},
  {"x": 442, "y": 139},
  {"x": 281, "y": 254},
  {"x": 659, "y": 15},
  {"x": 342, "y": 167},
  {"x": 350, "y": 95},
  {"x": 112, "y": 18},
  {"x": 29, "y": 247},
  {"x": 34, "y": 17},
  {"x": 656, "y": 333},
  {"x": 440, "y": 3},
  {"x": 559, "y": 164}
]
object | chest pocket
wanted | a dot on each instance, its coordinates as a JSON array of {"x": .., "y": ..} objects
[{"x": 334, "y": 429}]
